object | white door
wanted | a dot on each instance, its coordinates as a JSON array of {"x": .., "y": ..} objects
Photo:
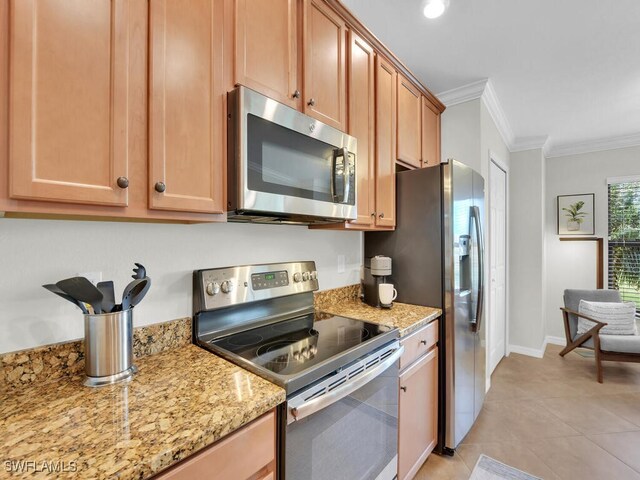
[{"x": 497, "y": 261}]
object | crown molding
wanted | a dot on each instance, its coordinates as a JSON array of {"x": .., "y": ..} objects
[
  {"x": 463, "y": 94},
  {"x": 482, "y": 89},
  {"x": 598, "y": 145},
  {"x": 492, "y": 103},
  {"x": 529, "y": 143}
]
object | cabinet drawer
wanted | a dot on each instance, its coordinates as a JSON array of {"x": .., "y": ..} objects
[
  {"x": 241, "y": 455},
  {"x": 419, "y": 343}
]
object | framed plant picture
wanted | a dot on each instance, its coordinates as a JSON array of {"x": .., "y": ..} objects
[{"x": 576, "y": 214}]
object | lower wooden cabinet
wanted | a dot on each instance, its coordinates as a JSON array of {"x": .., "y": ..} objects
[
  {"x": 418, "y": 412},
  {"x": 248, "y": 454}
]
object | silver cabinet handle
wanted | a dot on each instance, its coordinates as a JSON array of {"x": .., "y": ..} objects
[
  {"x": 381, "y": 215},
  {"x": 311, "y": 102},
  {"x": 160, "y": 187},
  {"x": 123, "y": 182},
  {"x": 423, "y": 342},
  {"x": 404, "y": 389},
  {"x": 296, "y": 94}
]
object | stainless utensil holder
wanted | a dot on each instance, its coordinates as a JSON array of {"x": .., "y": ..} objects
[{"x": 108, "y": 348}]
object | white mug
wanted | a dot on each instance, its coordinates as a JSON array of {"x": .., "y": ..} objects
[{"x": 386, "y": 293}]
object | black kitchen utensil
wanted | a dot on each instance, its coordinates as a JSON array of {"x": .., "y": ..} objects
[
  {"x": 108, "y": 296},
  {"x": 55, "y": 289},
  {"x": 83, "y": 290},
  {"x": 141, "y": 272},
  {"x": 135, "y": 291}
]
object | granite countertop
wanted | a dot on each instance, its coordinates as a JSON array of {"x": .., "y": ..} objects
[
  {"x": 345, "y": 302},
  {"x": 180, "y": 401}
]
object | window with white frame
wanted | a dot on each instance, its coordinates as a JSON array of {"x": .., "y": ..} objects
[{"x": 624, "y": 237}]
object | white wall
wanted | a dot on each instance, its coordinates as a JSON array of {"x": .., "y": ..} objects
[
  {"x": 572, "y": 265},
  {"x": 35, "y": 252},
  {"x": 527, "y": 251},
  {"x": 460, "y": 134}
]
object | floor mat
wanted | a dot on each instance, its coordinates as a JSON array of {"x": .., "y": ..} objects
[{"x": 489, "y": 469}]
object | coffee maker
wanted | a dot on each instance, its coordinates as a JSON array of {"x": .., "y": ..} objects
[{"x": 377, "y": 270}]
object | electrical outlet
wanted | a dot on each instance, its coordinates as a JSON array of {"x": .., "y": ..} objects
[
  {"x": 341, "y": 264},
  {"x": 93, "y": 277}
]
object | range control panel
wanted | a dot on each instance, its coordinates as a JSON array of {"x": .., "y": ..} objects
[
  {"x": 222, "y": 287},
  {"x": 260, "y": 281}
]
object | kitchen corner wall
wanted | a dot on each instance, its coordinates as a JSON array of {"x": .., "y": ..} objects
[
  {"x": 527, "y": 252},
  {"x": 35, "y": 252},
  {"x": 470, "y": 136}
]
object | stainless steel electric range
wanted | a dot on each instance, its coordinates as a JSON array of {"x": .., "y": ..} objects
[{"x": 340, "y": 420}]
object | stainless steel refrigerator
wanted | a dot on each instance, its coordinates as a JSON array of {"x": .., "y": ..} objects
[{"x": 437, "y": 253}]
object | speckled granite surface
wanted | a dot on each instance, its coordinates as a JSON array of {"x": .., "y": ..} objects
[
  {"x": 179, "y": 402},
  {"x": 345, "y": 302},
  {"x": 52, "y": 362}
]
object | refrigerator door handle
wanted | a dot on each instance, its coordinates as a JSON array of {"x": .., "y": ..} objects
[{"x": 475, "y": 214}]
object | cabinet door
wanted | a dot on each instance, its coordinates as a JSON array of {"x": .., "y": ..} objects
[
  {"x": 186, "y": 168},
  {"x": 409, "y": 120},
  {"x": 362, "y": 122},
  {"x": 430, "y": 134},
  {"x": 265, "y": 48},
  {"x": 324, "y": 64},
  {"x": 418, "y": 414},
  {"x": 385, "y": 143},
  {"x": 69, "y": 100},
  {"x": 248, "y": 453}
]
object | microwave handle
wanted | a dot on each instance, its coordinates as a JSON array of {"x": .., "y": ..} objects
[{"x": 346, "y": 184}]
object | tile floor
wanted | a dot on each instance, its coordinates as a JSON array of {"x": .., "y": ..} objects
[{"x": 550, "y": 417}]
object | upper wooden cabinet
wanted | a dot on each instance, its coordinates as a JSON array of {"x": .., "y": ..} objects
[
  {"x": 361, "y": 92},
  {"x": 324, "y": 43},
  {"x": 265, "y": 44},
  {"x": 386, "y": 77},
  {"x": 409, "y": 123},
  {"x": 187, "y": 157},
  {"x": 430, "y": 134},
  {"x": 69, "y": 99}
]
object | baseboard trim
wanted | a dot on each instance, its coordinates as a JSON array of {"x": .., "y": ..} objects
[
  {"x": 555, "y": 341},
  {"x": 537, "y": 352},
  {"x": 530, "y": 352}
]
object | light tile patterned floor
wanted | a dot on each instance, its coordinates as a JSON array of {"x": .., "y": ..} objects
[{"x": 549, "y": 417}]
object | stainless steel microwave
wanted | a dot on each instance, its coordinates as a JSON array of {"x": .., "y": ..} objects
[{"x": 286, "y": 167}]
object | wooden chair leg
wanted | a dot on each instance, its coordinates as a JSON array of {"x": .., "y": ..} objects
[{"x": 598, "y": 355}]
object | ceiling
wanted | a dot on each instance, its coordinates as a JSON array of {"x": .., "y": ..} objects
[{"x": 568, "y": 69}]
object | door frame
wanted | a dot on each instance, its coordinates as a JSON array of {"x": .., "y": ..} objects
[{"x": 498, "y": 162}]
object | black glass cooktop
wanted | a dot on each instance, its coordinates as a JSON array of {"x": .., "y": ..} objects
[{"x": 290, "y": 347}]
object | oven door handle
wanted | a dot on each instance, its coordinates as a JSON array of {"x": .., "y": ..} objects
[{"x": 317, "y": 404}]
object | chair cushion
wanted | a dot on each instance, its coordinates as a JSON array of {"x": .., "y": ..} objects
[
  {"x": 572, "y": 302},
  {"x": 620, "y": 317},
  {"x": 620, "y": 343}
]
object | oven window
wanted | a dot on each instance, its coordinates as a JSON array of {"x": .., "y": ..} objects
[
  {"x": 355, "y": 438},
  {"x": 285, "y": 162}
]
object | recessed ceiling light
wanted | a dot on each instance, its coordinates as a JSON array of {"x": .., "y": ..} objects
[{"x": 435, "y": 8}]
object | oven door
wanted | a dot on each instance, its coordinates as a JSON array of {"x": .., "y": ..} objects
[
  {"x": 289, "y": 163},
  {"x": 346, "y": 426}
]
